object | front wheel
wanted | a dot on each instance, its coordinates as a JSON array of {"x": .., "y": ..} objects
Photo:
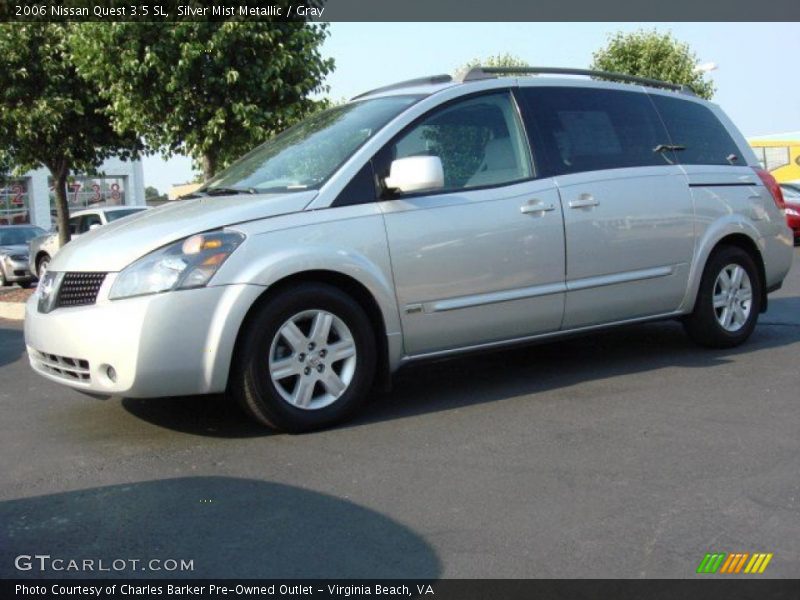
[
  {"x": 306, "y": 360},
  {"x": 728, "y": 301}
]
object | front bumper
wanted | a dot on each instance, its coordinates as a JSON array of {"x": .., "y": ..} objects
[
  {"x": 16, "y": 270},
  {"x": 170, "y": 344}
]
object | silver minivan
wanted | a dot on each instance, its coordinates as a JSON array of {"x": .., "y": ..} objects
[{"x": 421, "y": 220}]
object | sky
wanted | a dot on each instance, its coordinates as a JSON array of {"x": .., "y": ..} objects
[{"x": 757, "y": 81}]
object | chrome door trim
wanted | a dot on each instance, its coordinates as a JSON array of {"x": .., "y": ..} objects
[
  {"x": 534, "y": 338},
  {"x": 444, "y": 305},
  {"x": 625, "y": 277},
  {"x": 490, "y": 298}
]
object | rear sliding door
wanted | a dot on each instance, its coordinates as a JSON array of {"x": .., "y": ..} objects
[{"x": 628, "y": 214}]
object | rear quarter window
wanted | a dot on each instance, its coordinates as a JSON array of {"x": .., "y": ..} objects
[
  {"x": 704, "y": 139},
  {"x": 587, "y": 129}
]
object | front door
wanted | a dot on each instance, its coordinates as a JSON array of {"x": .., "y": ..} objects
[{"x": 481, "y": 260}]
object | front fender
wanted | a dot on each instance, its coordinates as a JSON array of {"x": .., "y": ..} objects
[{"x": 350, "y": 241}]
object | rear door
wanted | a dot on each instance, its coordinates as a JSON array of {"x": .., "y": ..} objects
[{"x": 628, "y": 213}]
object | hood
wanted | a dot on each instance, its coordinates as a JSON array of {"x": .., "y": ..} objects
[
  {"x": 14, "y": 249},
  {"x": 116, "y": 245}
]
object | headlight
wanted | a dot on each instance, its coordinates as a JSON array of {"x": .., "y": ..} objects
[
  {"x": 47, "y": 291},
  {"x": 793, "y": 212},
  {"x": 189, "y": 263}
]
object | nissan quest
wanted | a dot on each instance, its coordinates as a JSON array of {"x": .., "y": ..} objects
[{"x": 421, "y": 220}]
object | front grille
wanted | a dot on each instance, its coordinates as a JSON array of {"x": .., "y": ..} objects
[
  {"x": 79, "y": 289},
  {"x": 71, "y": 369}
]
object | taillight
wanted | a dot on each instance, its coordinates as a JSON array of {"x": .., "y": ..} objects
[{"x": 772, "y": 186}]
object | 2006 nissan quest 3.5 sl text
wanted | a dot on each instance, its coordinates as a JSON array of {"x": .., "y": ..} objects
[{"x": 420, "y": 220}]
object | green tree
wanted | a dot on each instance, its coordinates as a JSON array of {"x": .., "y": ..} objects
[
  {"x": 497, "y": 60},
  {"x": 211, "y": 90},
  {"x": 5, "y": 167},
  {"x": 655, "y": 55},
  {"x": 49, "y": 115}
]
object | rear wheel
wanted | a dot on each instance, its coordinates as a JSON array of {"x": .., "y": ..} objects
[
  {"x": 306, "y": 360},
  {"x": 25, "y": 284},
  {"x": 728, "y": 301}
]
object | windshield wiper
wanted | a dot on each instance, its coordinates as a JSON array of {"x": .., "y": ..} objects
[
  {"x": 192, "y": 195},
  {"x": 668, "y": 148},
  {"x": 227, "y": 191}
]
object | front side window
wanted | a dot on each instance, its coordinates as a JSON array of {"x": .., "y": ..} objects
[
  {"x": 480, "y": 142},
  {"x": 697, "y": 131},
  {"x": 89, "y": 220},
  {"x": 74, "y": 225},
  {"x": 306, "y": 155},
  {"x": 585, "y": 129}
]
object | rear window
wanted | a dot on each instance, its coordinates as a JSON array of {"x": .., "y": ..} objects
[
  {"x": 583, "y": 129},
  {"x": 694, "y": 127}
]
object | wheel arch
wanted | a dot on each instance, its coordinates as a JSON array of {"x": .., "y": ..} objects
[
  {"x": 345, "y": 283},
  {"x": 39, "y": 256},
  {"x": 737, "y": 239}
]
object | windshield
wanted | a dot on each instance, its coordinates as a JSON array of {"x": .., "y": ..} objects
[
  {"x": 305, "y": 155},
  {"x": 113, "y": 215},
  {"x": 19, "y": 235}
]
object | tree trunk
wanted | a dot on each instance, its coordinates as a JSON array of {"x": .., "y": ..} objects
[
  {"x": 209, "y": 165},
  {"x": 62, "y": 209}
]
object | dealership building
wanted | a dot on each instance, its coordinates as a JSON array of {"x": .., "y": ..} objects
[{"x": 30, "y": 198}]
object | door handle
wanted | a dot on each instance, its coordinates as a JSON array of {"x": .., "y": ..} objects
[
  {"x": 584, "y": 201},
  {"x": 535, "y": 206}
]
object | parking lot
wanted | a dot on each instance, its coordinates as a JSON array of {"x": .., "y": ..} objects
[{"x": 630, "y": 453}]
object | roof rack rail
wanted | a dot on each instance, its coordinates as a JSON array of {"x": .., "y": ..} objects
[
  {"x": 430, "y": 80},
  {"x": 487, "y": 72}
]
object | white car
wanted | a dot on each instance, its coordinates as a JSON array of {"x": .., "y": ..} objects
[{"x": 43, "y": 248}]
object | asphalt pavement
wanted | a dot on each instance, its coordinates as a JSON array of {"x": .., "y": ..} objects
[{"x": 629, "y": 453}]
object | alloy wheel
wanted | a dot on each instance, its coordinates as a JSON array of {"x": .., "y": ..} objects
[
  {"x": 312, "y": 359},
  {"x": 733, "y": 297}
]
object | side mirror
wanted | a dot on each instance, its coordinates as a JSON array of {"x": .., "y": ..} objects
[
  {"x": 94, "y": 226},
  {"x": 415, "y": 174}
]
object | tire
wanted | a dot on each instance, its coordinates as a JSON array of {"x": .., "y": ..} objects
[
  {"x": 42, "y": 263},
  {"x": 706, "y": 325},
  {"x": 280, "y": 338},
  {"x": 25, "y": 284}
]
